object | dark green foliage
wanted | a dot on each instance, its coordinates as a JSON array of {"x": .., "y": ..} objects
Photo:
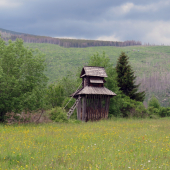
[
  {"x": 126, "y": 79},
  {"x": 140, "y": 110},
  {"x": 120, "y": 105},
  {"x": 154, "y": 108},
  {"x": 69, "y": 85},
  {"x": 61, "y": 60},
  {"x": 99, "y": 60},
  {"x": 132, "y": 108},
  {"x": 164, "y": 111},
  {"x": 55, "y": 95},
  {"x": 22, "y": 78},
  {"x": 111, "y": 84},
  {"x": 58, "y": 115},
  {"x": 68, "y": 103},
  {"x": 153, "y": 102}
]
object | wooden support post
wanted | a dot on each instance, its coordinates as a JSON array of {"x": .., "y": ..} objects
[
  {"x": 105, "y": 108},
  {"x": 84, "y": 108},
  {"x": 108, "y": 106},
  {"x": 100, "y": 105},
  {"x": 79, "y": 110}
]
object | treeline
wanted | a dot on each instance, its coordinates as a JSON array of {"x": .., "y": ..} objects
[
  {"x": 24, "y": 86},
  {"x": 121, "y": 79},
  {"x": 76, "y": 43}
]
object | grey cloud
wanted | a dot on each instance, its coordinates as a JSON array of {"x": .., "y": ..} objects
[{"x": 83, "y": 19}]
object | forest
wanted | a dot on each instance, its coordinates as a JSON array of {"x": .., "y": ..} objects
[
  {"x": 150, "y": 63},
  {"x": 37, "y": 77}
]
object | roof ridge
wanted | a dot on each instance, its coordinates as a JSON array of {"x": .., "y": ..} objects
[
  {"x": 96, "y": 91},
  {"x": 93, "y": 66}
]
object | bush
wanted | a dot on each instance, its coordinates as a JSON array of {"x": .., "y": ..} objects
[
  {"x": 132, "y": 108},
  {"x": 141, "y": 111},
  {"x": 164, "y": 111},
  {"x": 153, "y": 112},
  {"x": 168, "y": 111},
  {"x": 153, "y": 102},
  {"x": 58, "y": 115}
]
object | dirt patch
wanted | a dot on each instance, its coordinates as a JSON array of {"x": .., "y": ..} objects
[{"x": 40, "y": 116}]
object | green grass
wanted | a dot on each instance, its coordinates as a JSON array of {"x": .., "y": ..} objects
[{"x": 112, "y": 144}]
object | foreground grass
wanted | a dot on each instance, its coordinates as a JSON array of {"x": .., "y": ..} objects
[{"x": 112, "y": 144}]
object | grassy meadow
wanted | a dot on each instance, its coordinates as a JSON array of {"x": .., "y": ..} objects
[{"x": 112, "y": 144}]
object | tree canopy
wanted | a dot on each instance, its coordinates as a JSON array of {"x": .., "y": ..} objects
[
  {"x": 126, "y": 79},
  {"x": 22, "y": 78},
  {"x": 111, "y": 83}
]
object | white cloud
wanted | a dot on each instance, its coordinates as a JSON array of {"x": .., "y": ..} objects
[
  {"x": 155, "y": 32},
  {"x": 109, "y": 38},
  {"x": 152, "y": 7},
  {"x": 9, "y": 4},
  {"x": 120, "y": 10},
  {"x": 125, "y": 8},
  {"x": 129, "y": 7},
  {"x": 159, "y": 34}
]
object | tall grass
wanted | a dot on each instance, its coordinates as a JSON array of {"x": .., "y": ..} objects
[{"x": 111, "y": 144}]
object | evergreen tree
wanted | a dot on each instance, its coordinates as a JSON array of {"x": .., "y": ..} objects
[{"x": 126, "y": 79}]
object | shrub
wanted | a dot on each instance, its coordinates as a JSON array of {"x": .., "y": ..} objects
[
  {"x": 153, "y": 102},
  {"x": 153, "y": 112},
  {"x": 133, "y": 108},
  {"x": 58, "y": 115},
  {"x": 141, "y": 111},
  {"x": 164, "y": 111}
]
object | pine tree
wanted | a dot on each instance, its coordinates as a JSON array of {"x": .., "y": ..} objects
[{"x": 126, "y": 79}]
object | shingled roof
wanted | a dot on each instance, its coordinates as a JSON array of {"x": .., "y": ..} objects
[
  {"x": 95, "y": 90},
  {"x": 93, "y": 71}
]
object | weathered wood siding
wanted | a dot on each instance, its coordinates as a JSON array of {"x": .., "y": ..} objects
[{"x": 93, "y": 107}]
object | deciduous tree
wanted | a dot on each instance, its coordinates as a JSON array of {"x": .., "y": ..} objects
[{"x": 22, "y": 78}]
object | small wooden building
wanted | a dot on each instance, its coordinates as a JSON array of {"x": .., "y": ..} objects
[{"x": 93, "y": 98}]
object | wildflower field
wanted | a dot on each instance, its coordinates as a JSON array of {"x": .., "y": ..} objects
[{"x": 111, "y": 144}]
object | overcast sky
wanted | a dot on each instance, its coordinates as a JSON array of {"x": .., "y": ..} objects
[{"x": 120, "y": 20}]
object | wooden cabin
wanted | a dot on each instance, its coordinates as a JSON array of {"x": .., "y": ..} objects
[{"x": 93, "y": 98}]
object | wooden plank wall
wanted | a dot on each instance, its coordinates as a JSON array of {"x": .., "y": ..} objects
[
  {"x": 93, "y": 107},
  {"x": 79, "y": 110},
  {"x": 97, "y": 107}
]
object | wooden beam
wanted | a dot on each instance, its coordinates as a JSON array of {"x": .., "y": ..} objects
[
  {"x": 84, "y": 108},
  {"x": 79, "y": 110}
]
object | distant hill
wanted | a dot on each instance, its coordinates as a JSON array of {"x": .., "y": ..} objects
[
  {"x": 77, "y": 43},
  {"x": 150, "y": 63},
  {"x": 9, "y": 32}
]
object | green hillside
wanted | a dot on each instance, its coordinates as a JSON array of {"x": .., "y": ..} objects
[{"x": 150, "y": 63}]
